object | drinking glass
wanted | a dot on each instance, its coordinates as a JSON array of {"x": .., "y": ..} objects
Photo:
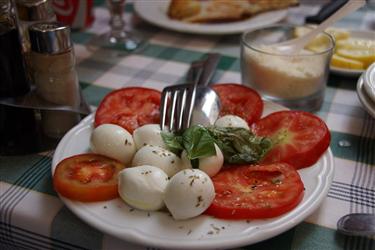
[
  {"x": 297, "y": 81},
  {"x": 118, "y": 37}
]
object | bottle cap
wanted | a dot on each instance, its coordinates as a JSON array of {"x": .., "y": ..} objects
[
  {"x": 34, "y": 10},
  {"x": 50, "y": 38}
]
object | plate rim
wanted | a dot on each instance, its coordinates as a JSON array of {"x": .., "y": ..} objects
[
  {"x": 363, "y": 98},
  {"x": 205, "y": 29},
  {"x": 133, "y": 235},
  {"x": 369, "y": 82}
]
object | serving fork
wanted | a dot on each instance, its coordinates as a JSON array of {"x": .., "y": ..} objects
[{"x": 191, "y": 103}]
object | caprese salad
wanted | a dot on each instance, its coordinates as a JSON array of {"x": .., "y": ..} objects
[{"x": 241, "y": 167}]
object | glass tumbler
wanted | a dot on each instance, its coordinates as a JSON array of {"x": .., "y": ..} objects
[{"x": 297, "y": 81}]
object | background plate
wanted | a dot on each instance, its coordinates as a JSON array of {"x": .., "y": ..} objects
[
  {"x": 158, "y": 229},
  {"x": 155, "y": 11}
]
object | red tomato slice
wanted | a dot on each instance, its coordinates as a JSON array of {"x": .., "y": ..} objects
[
  {"x": 299, "y": 138},
  {"x": 129, "y": 108},
  {"x": 256, "y": 191},
  {"x": 239, "y": 100},
  {"x": 87, "y": 177}
]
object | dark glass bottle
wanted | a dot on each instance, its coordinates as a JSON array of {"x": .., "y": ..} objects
[
  {"x": 17, "y": 125},
  {"x": 13, "y": 81}
]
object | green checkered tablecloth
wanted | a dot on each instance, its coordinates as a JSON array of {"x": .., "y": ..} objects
[{"x": 33, "y": 217}]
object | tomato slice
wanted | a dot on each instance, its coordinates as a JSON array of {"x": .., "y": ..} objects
[
  {"x": 256, "y": 191},
  {"x": 87, "y": 177},
  {"x": 129, "y": 108},
  {"x": 239, "y": 100},
  {"x": 299, "y": 138}
]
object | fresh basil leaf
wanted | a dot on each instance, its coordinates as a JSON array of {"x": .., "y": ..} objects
[
  {"x": 173, "y": 142},
  {"x": 239, "y": 145},
  {"x": 198, "y": 142}
]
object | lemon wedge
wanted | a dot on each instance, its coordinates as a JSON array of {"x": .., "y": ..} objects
[
  {"x": 365, "y": 56},
  {"x": 342, "y": 62}
]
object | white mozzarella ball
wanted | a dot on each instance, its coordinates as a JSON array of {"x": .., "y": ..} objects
[
  {"x": 210, "y": 165},
  {"x": 148, "y": 134},
  {"x": 189, "y": 193},
  {"x": 232, "y": 121},
  {"x": 143, "y": 187},
  {"x": 113, "y": 141},
  {"x": 158, "y": 157}
]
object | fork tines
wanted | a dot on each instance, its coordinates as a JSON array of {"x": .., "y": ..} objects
[{"x": 177, "y": 115}]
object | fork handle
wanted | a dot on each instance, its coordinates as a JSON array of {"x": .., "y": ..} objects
[
  {"x": 209, "y": 66},
  {"x": 326, "y": 11}
]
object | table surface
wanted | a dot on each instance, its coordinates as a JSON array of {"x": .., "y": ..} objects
[{"x": 32, "y": 215}]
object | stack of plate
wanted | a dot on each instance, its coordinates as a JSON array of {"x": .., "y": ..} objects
[{"x": 366, "y": 89}]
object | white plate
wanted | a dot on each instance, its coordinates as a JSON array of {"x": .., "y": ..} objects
[
  {"x": 155, "y": 12},
  {"x": 353, "y": 72},
  {"x": 158, "y": 229},
  {"x": 366, "y": 101}
]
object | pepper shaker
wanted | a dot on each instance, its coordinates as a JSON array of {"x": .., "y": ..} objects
[
  {"x": 31, "y": 12},
  {"x": 54, "y": 74}
]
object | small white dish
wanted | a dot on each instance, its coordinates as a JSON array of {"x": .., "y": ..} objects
[
  {"x": 353, "y": 72},
  {"x": 158, "y": 229},
  {"x": 369, "y": 81},
  {"x": 155, "y": 12},
  {"x": 364, "y": 98}
]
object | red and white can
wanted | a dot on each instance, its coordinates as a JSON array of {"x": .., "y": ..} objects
[{"x": 78, "y": 14}]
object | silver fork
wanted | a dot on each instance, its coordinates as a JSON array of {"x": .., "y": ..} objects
[
  {"x": 178, "y": 115},
  {"x": 191, "y": 103}
]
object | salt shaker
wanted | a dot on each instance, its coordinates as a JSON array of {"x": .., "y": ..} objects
[{"x": 54, "y": 74}]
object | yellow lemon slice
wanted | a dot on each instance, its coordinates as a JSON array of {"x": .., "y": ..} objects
[
  {"x": 354, "y": 43},
  {"x": 315, "y": 44},
  {"x": 338, "y": 34},
  {"x": 302, "y": 30},
  {"x": 316, "y": 48},
  {"x": 342, "y": 62},
  {"x": 320, "y": 42},
  {"x": 365, "y": 56}
]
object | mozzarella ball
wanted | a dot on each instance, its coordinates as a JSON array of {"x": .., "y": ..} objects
[
  {"x": 113, "y": 141},
  {"x": 231, "y": 121},
  {"x": 143, "y": 187},
  {"x": 148, "y": 134},
  {"x": 189, "y": 193},
  {"x": 210, "y": 165},
  {"x": 158, "y": 157}
]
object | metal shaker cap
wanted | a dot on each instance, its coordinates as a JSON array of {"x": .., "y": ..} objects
[
  {"x": 35, "y": 10},
  {"x": 50, "y": 38}
]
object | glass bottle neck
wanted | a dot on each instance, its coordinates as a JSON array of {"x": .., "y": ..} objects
[{"x": 116, "y": 9}]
